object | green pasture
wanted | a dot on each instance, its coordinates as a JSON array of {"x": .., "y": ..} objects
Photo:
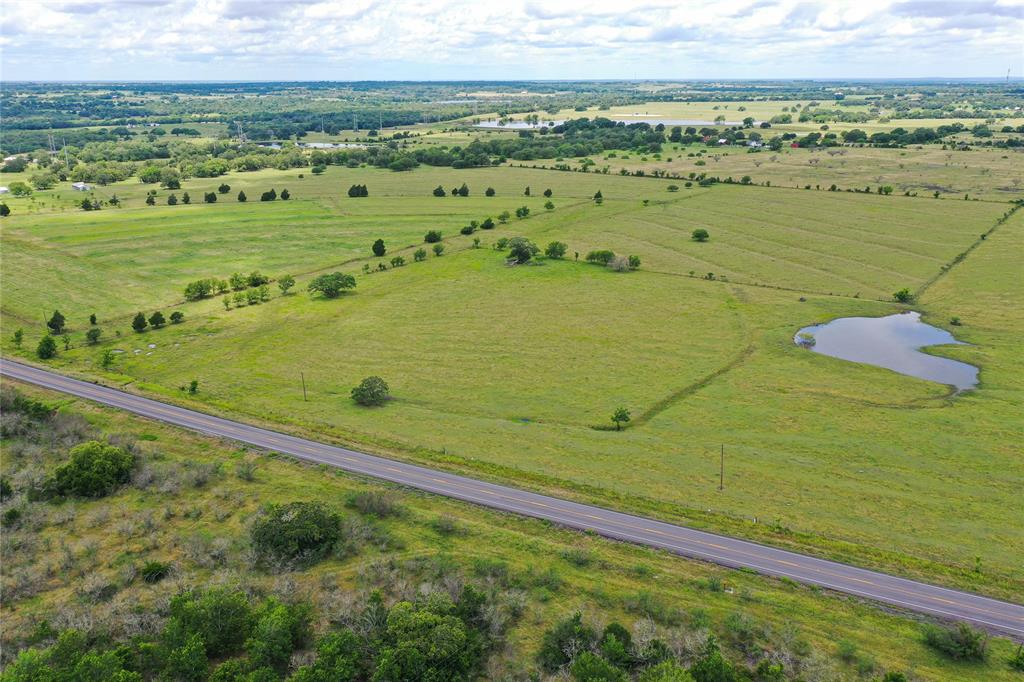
[{"x": 505, "y": 371}]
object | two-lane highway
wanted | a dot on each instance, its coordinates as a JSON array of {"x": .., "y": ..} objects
[{"x": 991, "y": 614}]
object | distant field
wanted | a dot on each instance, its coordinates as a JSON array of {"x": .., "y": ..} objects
[
  {"x": 650, "y": 112},
  {"x": 505, "y": 371}
]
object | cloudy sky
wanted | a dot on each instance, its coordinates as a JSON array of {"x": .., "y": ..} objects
[{"x": 507, "y": 39}]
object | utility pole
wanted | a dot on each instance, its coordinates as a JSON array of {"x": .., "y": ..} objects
[
  {"x": 303, "y": 375},
  {"x": 721, "y": 470}
]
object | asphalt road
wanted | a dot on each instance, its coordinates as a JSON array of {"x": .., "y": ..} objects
[{"x": 993, "y": 615}]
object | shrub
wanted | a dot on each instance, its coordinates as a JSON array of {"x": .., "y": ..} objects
[
  {"x": 94, "y": 469},
  {"x": 634, "y": 262},
  {"x": 155, "y": 571},
  {"x": 156, "y": 320},
  {"x": 177, "y": 317},
  {"x": 487, "y": 224},
  {"x": 378, "y": 248},
  {"x": 438, "y": 249},
  {"x": 139, "y": 322},
  {"x": 439, "y": 191},
  {"x": 419, "y": 255},
  {"x": 555, "y": 249},
  {"x": 961, "y": 643},
  {"x": 673, "y": 188},
  {"x": 903, "y": 296},
  {"x": 93, "y": 336},
  {"x": 489, "y": 192},
  {"x": 371, "y": 391},
  {"x": 47, "y": 348},
  {"x": 564, "y": 639},
  {"x": 374, "y": 503},
  {"x": 432, "y": 237},
  {"x": 297, "y": 532},
  {"x": 224, "y": 188},
  {"x": 603, "y": 257},
  {"x": 700, "y": 235}
]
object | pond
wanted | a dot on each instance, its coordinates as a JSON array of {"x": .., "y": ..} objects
[{"x": 893, "y": 342}]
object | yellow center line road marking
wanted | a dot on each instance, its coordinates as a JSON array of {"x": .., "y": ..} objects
[{"x": 681, "y": 540}]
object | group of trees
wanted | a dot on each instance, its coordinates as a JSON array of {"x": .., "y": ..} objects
[
  {"x": 203, "y": 288},
  {"x": 358, "y": 191},
  {"x": 222, "y": 635},
  {"x": 609, "y": 259},
  {"x": 156, "y": 320}
]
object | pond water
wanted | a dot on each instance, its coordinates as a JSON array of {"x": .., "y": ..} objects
[{"x": 893, "y": 342}]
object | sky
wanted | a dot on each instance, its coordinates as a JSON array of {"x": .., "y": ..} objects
[{"x": 508, "y": 39}]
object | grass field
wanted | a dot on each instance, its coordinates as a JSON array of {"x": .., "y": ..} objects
[
  {"x": 192, "y": 511},
  {"x": 504, "y": 372}
]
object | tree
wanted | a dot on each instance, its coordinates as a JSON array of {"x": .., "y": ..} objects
[
  {"x": 489, "y": 192},
  {"x": 432, "y": 237},
  {"x": 338, "y": 658},
  {"x": 56, "y": 322},
  {"x": 92, "y": 318},
  {"x": 270, "y": 195},
  {"x": 5, "y": 210},
  {"x": 548, "y": 193},
  {"x": 620, "y": 416},
  {"x": 210, "y": 198},
  {"x": 238, "y": 281},
  {"x": 700, "y": 235},
  {"x": 371, "y": 391},
  {"x": 93, "y": 335},
  {"x": 487, "y": 224},
  {"x": 549, "y": 205},
  {"x": 94, "y": 469},
  {"x": 397, "y": 262},
  {"x": 186, "y": 199},
  {"x": 19, "y": 335},
  {"x": 903, "y": 296},
  {"x": 666, "y": 671},
  {"x": 589, "y": 667},
  {"x": 193, "y": 387},
  {"x": 285, "y": 195},
  {"x": 634, "y": 262},
  {"x": 526, "y": 192},
  {"x": 439, "y": 191},
  {"x": 555, "y": 249},
  {"x": 598, "y": 195},
  {"x": 241, "y": 197},
  {"x": 151, "y": 200},
  {"x": 464, "y": 190},
  {"x": 319, "y": 169},
  {"x": 438, "y": 249},
  {"x": 358, "y": 191},
  {"x": 419, "y": 255},
  {"x": 522, "y": 249},
  {"x": 504, "y": 216},
  {"x": 224, "y": 188},
  {"x": 378, "y": 248},
  {"x": 156, "y": 320},
  {"x": 47, "y": 348},
  {"x": 177, "y": 317},
  {"x": 139, "y": 323},
  {"x": 67, "y": 341},
  {"x": 172, "y": 200},
  {"x": 107, "y": 359},
  {"x": 284, "y": 283},
  {"x": 332, "y": 285},
  {"x": 522, "y": 212}
]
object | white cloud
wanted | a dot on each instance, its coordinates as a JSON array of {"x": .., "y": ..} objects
[{"x": 452, "y": 39}]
